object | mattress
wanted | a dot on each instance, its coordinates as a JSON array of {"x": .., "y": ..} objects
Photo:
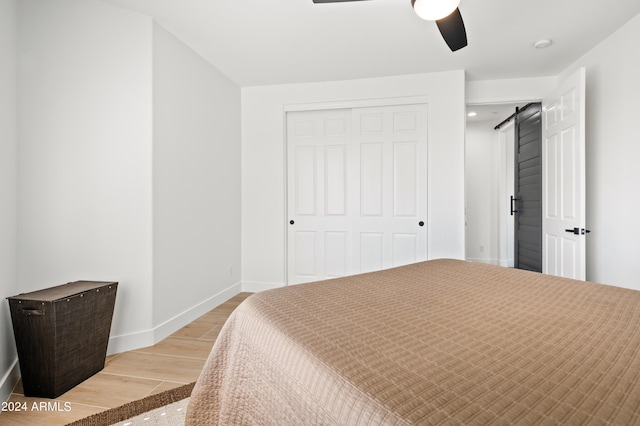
[{"x": 441, "y": 342}]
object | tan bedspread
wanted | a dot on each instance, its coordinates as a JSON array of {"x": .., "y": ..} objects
[{"x": 439, "y": 342}]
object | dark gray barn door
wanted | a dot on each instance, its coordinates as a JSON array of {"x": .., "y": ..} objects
[{"x": 527, "y": 205}]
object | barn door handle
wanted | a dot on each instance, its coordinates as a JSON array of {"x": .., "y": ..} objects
[{"x": 513, "y": 210}]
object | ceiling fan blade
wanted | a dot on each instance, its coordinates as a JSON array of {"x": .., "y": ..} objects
[
  {"x": 333, "y": 1},
  {"x": 452, "y": 30}
]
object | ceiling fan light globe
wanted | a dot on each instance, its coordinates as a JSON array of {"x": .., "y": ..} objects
[{"x": 432, "y": 10}]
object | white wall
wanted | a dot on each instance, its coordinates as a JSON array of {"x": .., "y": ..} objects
[
  {"x": 129, "y": 166},
  {"x": 481, "y": 159},
  {"x": 509, "y": 90},
  {"x": 263, "y": 163},
  {"x": 612, "y": 151},
  {"x": 196, "y": 181},
  {"x": 506, "y": 184},
  {"x": 8, "y": 191},
  {"x": 85, "y": 151}
]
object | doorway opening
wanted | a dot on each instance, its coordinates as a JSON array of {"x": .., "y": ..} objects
[
  {"x": 489, "y": 170},
  {"x": 562, "y": 123}
]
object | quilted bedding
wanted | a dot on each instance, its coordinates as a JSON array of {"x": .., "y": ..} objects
[{"x": 441, "y": 342}]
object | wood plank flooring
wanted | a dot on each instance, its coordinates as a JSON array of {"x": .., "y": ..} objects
[{"x": 129, "y": 376}]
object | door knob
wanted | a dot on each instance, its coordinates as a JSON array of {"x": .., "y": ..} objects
[
  {"x": 421, "y": 223},
  {"x": 291, "y": 222}
]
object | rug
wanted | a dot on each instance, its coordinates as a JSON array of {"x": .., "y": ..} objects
[{"x": 164, "y": 408}]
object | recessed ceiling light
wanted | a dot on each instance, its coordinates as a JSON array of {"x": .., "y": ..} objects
[
  {"x": 472, "y": 114},
  {"x": 541, "y": 44}
]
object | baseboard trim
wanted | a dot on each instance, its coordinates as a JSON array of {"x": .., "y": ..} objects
[
  {"x": 9, "y": 381},
  {"x": 142, "y": 339},
  {"x": 256, "y": 286},
  {"x": 174, "y": 324},
  {"x": 487, "y": 261}
]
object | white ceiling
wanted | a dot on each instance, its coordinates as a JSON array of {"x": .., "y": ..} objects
[{"x": 258, "y": 42}]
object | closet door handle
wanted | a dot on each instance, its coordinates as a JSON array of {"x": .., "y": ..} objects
[{"x": 421, "y": 223}]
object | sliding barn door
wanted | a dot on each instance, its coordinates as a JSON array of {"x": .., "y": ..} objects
[
  {"x": 357, "y": 190},
  {"x": 527, "y": 205}
]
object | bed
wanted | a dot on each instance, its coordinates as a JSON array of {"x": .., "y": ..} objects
[{"x": 441, "y": 342}]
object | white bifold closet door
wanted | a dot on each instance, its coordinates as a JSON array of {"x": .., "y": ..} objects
[{"x": 357, "y": 190}]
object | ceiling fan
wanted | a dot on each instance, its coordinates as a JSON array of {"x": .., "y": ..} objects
[{"x": 444, "y": 12}]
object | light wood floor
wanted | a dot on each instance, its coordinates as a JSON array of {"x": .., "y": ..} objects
[{"x": 129, "y": 376}]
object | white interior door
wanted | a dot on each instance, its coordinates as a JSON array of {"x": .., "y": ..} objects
[
  {"x": 318, "y": 192},
  {"x": 563, "y": 179},
  {"x": 357, "y": 190},
  {"x": 390, "y": 229}
]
